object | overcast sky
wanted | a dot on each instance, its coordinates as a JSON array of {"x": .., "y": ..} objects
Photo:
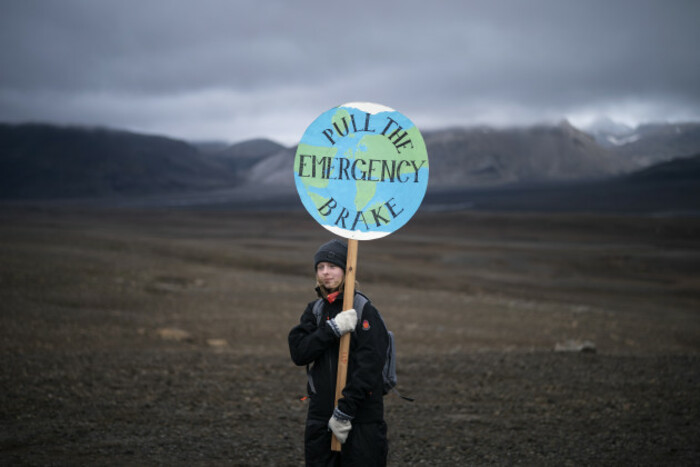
[{"x": 232, "y": 70}]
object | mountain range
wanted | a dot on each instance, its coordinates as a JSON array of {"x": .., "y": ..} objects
[{"x": 39, "y": 161}]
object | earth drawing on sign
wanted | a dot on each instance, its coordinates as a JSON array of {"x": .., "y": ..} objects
[{"x": 361, "y": 170}]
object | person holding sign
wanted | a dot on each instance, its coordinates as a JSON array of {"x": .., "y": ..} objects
[
  {"x": 358, "y": 420},
  {"x": 361, "y": 171}
]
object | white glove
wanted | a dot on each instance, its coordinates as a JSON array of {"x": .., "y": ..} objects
[
  {"x": 340, "y": 425},
  {"x": 344, "y": 322}
]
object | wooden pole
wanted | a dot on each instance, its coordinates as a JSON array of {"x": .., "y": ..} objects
[{"x": 344, "y": 349}]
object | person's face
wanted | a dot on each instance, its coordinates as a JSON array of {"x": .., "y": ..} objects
[{"x": 329, "y": 275}]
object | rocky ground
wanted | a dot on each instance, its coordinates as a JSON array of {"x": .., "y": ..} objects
[{"x": 159, "y": 337}]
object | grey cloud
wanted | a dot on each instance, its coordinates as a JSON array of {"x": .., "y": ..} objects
[{"x": 185, "y": 67}]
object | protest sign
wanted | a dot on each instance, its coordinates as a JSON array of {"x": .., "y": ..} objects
[{"x": 361, "y": 170}]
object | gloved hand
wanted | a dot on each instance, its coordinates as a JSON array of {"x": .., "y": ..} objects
[
  {"x": 344, "y": 322},
  {"x": 340, "y": 424}
]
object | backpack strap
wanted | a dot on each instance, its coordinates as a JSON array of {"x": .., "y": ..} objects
[{"x": 359, "y": 304}]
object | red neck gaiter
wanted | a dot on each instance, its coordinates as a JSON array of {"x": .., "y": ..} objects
[{"x": 332, "y": 296}]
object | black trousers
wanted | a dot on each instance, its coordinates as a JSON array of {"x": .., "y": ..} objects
[{"x": 366, "y": 445}]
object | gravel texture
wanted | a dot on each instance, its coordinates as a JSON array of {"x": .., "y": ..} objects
[{"x": 159, "y": 338}]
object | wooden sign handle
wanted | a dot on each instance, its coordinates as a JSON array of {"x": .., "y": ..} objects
[{"x": 344, "y": 349}]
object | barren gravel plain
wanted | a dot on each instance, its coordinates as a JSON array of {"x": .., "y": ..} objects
[{"x": 158, "y": 337}]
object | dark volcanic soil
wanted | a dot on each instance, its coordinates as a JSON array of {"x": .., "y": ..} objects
[{"x": 159, "y": 337}]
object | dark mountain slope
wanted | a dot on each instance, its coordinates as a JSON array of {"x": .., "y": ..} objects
[
  {"x": 43, "y": 161},
  {"x": 677, "y": 169}
]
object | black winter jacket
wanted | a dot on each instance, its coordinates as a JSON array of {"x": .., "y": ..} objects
[{"x": 311, "y": 343}]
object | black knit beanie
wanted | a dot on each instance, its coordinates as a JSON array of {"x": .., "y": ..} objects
[{"x": 334, "y": 252}]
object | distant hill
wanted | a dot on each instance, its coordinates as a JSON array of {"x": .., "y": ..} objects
[
  {"x": 44, "y": 161},
  {"x": 276, "y": 170},
  {"x": 488, "y": 157},
  {"x": 244, "y": 155}
]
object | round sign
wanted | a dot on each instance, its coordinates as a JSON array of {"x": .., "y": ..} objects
[{"x": 361, "y": 170}]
